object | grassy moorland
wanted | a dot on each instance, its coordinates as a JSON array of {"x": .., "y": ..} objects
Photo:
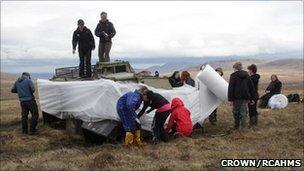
[{"x": 280, "y": 135}]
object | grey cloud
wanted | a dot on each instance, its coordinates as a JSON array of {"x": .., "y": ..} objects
[{"x": 43, "y": 30}]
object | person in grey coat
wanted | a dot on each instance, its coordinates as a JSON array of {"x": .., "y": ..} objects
[{"x": 105, "y": 31}]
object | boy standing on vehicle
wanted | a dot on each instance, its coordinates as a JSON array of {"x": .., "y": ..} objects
[{"x": 105, "y": 31}]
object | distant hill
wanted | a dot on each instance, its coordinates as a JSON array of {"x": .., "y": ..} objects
[
  {"x": 262, "y": 64},
  {"x": 227, "y": 64},
  {"x": 7, "y": 80},
  {"x": 168, "y": 67},
  {"x": 8, "y": 76},
  {"x": 284, "y": 63}
]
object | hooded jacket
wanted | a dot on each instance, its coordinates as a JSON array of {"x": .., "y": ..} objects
[
  {"x": 175, "y": 82},
  {"x": 180, "y": 118},
  {"x": 240, "y": 86},
  {"x": 255, "y": 82},
  {"x": 190, "y": 81},
  {"x": 126, "y": 107},
  {"x": 84, "y": 39},
  {"x": 25, "y": 89},
  {"x": 106, "y": 27}
]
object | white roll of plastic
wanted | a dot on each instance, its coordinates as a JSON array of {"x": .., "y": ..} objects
[
  {"x": 278, "y": 101},
  {"x": 215, "y": 83}
]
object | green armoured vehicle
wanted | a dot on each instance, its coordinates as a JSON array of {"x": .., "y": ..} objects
[{"x": 117, "y": 71}]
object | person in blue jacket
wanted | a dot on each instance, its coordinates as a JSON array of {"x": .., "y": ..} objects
[
  {"x": 126, "y": 109},
  {"x": 25, "y": 89}
]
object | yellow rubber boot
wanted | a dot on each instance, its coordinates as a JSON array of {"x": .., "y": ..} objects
[
  {"x": 129, "y": 138},
  {"x": 137, "y": 140}
]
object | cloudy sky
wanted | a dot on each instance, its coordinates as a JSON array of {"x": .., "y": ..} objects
[{"x": 42, "y": 31}]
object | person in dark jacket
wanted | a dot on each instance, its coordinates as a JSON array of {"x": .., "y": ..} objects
[
  {"x": 273, "y": 88},
  {"x": 240, "y": 91},
  {"x": 252, "y": 106},
  {"x": 86, "y": 43},
  {"x": 213, "y": 115},
  {"x": 105, "y": 31},
  {"x": 156, "y": 74},
  {"x": 175, "y": 80},
  {"x": 126, "y": 109},
  {"x": 180, "y": 119},
  {"x": 163, "y": 109},
  {"x": 25, "y": 89},
  {"x": 186, "y": 79}
]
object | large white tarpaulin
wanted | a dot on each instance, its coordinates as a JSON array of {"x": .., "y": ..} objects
[{"x": 93, "y": 101}]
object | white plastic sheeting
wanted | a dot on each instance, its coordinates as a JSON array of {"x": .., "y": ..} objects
[
  {"x": 278, "y": 101},
  {"x": 93, "y": 101}
]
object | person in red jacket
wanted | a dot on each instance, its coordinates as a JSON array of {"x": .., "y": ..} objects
[{"x": 180, "y": 121}]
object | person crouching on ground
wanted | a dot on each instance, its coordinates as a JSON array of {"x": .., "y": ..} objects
[
  {"x": 213, "y": 115},
  {"x": 273, "y": 88},
  {"x": 180, "y": 119},
  {"x": 240, "y": 91},
  {"x": 252, "y": 106},
  {"x": 25, "y": 89},
  {"x": 186, "y": 79},
  {"x": 126, "y": 107},
  {"x": 163, "y": 110}
]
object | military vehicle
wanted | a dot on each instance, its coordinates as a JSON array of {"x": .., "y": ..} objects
[
  {"x": 118, "y": 71},
  {"x": 106, "y": 130}
]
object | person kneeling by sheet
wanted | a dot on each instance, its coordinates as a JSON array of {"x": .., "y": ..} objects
[
  {"x": 126, "y": 107},
  {"x": 163, "y": 110},
  {"x": 179, "y": 121}
]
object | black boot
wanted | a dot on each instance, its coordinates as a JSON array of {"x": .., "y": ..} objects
[
  {"x": 243, "y": 121},
  {"x": 251, "y": 121},
  {"x": 213, "y": 123},
  {"x": 236, "y": 123},
  {"x": 203, "y": 129},
  {"x": 256, "y": 120}
]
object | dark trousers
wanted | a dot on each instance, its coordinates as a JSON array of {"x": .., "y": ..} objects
[
  {"x": 158, "y": 125},
  {"x": 104, "y": 51},
  {"x": 85, "y": 63},
  {"x": 212, "y": 116},
  {"x": 252, "y": 109},
  {"x": 253, "y": 114},
  {"x": 239, "y": 112},
  {"x": 264, "y": 100},
  {"x": 26, "y": 107}
]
